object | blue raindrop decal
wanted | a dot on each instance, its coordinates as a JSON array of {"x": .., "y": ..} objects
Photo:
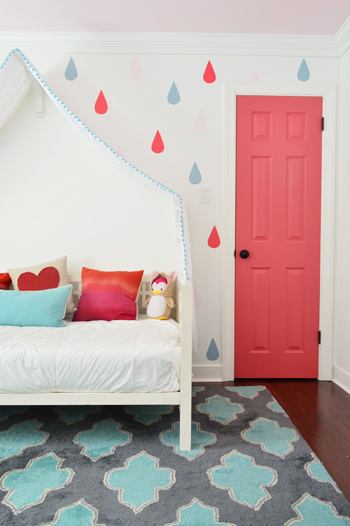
[
  {"x": 212, "y": 352},
  {"x": 71, "y": 71},
  {"x": 303, "y": 71},
  {"x": 173, "y": 96},
  {"x": 195, "y": 175}
]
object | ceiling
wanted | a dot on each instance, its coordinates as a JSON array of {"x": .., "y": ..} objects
[{"x": 305, "y": 17}]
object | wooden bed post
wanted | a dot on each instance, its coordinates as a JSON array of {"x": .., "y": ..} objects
[{"x": 185, "y": 310}]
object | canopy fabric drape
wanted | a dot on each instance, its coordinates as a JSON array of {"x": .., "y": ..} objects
[{"x": 18, "y": 76}]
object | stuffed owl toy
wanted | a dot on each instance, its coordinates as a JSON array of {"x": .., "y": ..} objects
[{"x": 160, "y": 302}]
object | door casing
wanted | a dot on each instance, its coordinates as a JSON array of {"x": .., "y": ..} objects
[{"x": 327, "y": 91}]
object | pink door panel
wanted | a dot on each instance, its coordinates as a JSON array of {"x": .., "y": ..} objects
[{"x": 278, "y": 214}]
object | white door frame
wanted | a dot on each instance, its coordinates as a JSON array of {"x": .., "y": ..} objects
[{"x": 327, "y": 91}]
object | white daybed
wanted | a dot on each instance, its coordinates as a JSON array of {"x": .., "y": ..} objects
[{"x": 166, "y": 345}]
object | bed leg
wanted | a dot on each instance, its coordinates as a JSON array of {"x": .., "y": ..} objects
[
  {"x": 185, "y": 301},
  {"x": 185, "y": 424}
]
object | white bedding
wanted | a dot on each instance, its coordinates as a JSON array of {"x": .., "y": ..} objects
[{"x": 96, "y": 356}]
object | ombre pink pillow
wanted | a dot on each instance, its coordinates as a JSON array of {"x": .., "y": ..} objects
[
  {"x": 108, "y": 295},
  {"x": 106, "y": 306}
]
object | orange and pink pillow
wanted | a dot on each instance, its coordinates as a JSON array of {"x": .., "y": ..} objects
[{"x": 108, "y": 295}]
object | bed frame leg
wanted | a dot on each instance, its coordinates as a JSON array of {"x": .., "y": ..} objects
[
  {"x": 185, "y": 425},
  {"x": 185, "y": 301}
]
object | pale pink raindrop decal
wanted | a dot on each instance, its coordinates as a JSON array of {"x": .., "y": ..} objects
[
  {"x": 197, "y": 300},
  {"x": 135, "y": 70},
  {"x": 120, "y": 152},
  {"x": 209, "y": 74},
  {"x": 201, "y": 123},
  {"x": 157, "y": 144},
  {"x": 255, "y": 77},
  {"x": 214, "y": 239},
  {"x": 101, "y": 105}
]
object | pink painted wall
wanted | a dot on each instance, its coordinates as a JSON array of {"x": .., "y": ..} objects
[{"x": 220, "y": 16}]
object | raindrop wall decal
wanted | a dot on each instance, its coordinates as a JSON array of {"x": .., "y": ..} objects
[
  {"x": 101, "y": 105},
  {"x": 173, "y": 95},
  {"x": 157, "y": 144},
  {"x": 135, "y": 70},
  {"x": 214, "y": 239},
  {"x": 255, "y": 77},
  {"x": 120, "y": 152},
  {"x": 197, "y": 300},
  {"x": 303, "y": 71},
  {"x": 201, "y": 123},
  {"x": 71, "y": 70},
  {"x": 213, "y": 351},
  {"x": 195, "y": 175},
  {"x": 209, "y": 74}
]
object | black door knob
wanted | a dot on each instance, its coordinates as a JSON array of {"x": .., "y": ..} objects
[{"x": 244, "y": 254}]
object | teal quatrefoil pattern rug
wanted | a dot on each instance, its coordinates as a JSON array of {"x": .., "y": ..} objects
[{"x": 122, "y": 466}]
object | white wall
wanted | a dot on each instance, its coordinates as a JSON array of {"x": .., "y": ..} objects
[
  {"x": 62, "y": 196},
  {"x": 138, "y": 108},
  {"x": 341, "y": 359}
]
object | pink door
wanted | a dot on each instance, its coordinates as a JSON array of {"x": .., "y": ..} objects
[{"x": 278, "y": 215}]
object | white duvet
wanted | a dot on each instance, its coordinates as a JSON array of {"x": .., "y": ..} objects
[{"x": 96, "y": 356}]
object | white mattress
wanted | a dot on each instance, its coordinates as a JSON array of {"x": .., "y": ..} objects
[{"x": 95, "y": 356}]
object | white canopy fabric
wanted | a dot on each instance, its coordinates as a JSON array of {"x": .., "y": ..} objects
[
  {"x": 18, "y": 76},
  {"x": 14, "y": 87}
]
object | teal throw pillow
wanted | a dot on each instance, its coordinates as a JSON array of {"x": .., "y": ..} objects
[{"x": 40, "y": 308}]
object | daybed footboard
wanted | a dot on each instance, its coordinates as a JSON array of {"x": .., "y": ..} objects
[{"x": 183, "y": 397}]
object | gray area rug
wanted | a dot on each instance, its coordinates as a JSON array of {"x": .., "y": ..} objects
[{"x": 109, "y": 466}]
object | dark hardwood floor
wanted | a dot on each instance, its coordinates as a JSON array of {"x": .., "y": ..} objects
[{"x": 321, "y": 413}]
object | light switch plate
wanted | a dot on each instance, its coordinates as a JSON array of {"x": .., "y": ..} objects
[{"x": 204, "y": 197}]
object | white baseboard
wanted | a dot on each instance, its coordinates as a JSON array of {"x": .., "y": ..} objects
[
  {"x": 341, "y": 378},
  {"x": 207, "y": 373}
]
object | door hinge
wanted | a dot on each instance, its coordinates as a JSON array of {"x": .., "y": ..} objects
[
  {"x": 319, "y": 337},
  {"x": 322, "y": 125}
]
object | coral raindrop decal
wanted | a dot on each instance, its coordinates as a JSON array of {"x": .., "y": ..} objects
[
  {"x": 135, "y": 70},
  {"x": 101, "y": 105},
  {"x": 71, "y": 71},
  {"x": 212, "y": 352},
  {"x": 195, "y": 175},
  {"x": 157, "y": 144},
  {"x": 209, "y": 74},
  {"x": 214, "y": 239},
  {"x": 303, "y": 71},
  {"x": 173, "y": 95},
  {"x": 201, "y": 123}
]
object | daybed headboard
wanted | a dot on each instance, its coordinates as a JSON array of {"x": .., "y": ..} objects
[{"x": 144, "y": 292}]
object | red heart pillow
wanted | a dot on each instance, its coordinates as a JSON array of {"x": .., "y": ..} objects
[
  {"x": 48, "y": 278},
  {"x": 49, "y": 274}
]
